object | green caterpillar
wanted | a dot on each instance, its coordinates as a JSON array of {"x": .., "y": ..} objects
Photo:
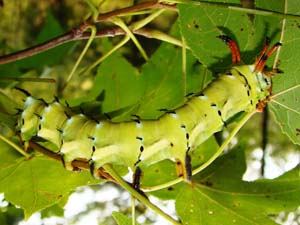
[{"x": 140, "y": 143}]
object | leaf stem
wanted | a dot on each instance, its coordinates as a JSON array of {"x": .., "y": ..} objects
[
  {"x": 137, "y": 195},
  {"x": 208, "y": 162},
  {"x": 111, "y": 51},
  {"x": 16, "y": 147},
  {"x": 91, "y": 38},
  {"x": 121, "y": 24}
]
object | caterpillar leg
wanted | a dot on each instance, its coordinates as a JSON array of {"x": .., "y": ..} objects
[
  {"x": 185, "y": 169},
  {"x": 235, "y": 52},
  {"x": 136, "y": 179}
]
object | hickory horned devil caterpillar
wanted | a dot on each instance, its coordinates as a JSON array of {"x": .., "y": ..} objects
[{"x": 140, "y": 143}]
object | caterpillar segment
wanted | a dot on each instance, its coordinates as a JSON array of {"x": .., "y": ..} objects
[{"x": 140, "y": 143}]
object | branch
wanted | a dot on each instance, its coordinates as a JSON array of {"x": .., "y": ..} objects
[
  {"x": 79, "y": 33},
  {"x": 76, "y": 163}
]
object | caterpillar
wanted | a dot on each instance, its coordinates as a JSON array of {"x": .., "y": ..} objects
[{"x": 138, "y": 144}]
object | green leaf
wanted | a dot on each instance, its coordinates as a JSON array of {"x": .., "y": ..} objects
[
  {"x": 202, "y": 23},
  {"x": 166, "y": 86},
  {"x": 164, "y": 171},
  {"x": 219, "y": 196},
  {"x": 121, "y": 219},
  {"x": 286, "y": 87},
  {"x": 115, "y": 77},
  {"x": 46, "y": 183}
]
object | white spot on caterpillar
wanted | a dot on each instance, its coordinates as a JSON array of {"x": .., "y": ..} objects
[
  {"x": 29, "y": 101},
  {"x": 213, "y": 105},
  {"x": 252, "y": 68},
  {"x": 139, "y": 125},
  {"x": 231, "y": 77},
  {"x": 48, "y": 108},
  {"x": 174, "y": 115},
  {"x": 70, "y": 120},
  {"x": 98, "y": 125},
  {"x": 94, "y": 140},
  {"x": 203, "y": 97}
]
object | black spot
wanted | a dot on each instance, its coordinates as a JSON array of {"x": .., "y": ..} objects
[
  {"x": 248, "y": 92},
  {"x": 40, "y": 117},
  {"x": 219, "y": 113},
  {"x": 213, "y": 104},
  {"x": 207, "y": 183},
  {"x": 23, "y": 91},
  {"x": 136, "y": 120},
  {"x": 189, "y": 94},
  {"x": 187, "y": 135},
  {"x": 40, "y": 127},
  {"x": 107, "y": 116},
  {"x": 94, "y": 148},
  {"x": 200, "y": 95},
  {"x": 139, "y": 138},
  {"x": 205, "y": 115},
  {"x": 95, "y": 120},
  {"x": 170, "y": 188},
  {"x": 171, "y": 144},
  {"x": 67, "y": 115},
  {"x": 141, "y": 148},
  {"x": 251, "y": 102},
  {"x": 137, "y": 162},
  {"x": 23, "y": 121},
  {"x": 42, "y": 100},
  {"x": 56, "y": 99},
  {"x": 59, "y": 130},
  {"x": 92, "y": 138},
  {"x": 178, "y": 163},
  {"x": 183, "y": 126}
]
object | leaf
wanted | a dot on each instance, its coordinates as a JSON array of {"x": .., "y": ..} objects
[
  {"x": 201, "y": 23},
  {"x": 121, "y": 219},
  {"x": 46, "y": 183},
  {"x": 165, "y": 171},
  {"x": 166, "y": 86},
  {"x": 159, "y": 85},
  {"x": 219, "y": 196},
  {"x": 117, "y": 80},
  {"x": 286, "y": 87}
]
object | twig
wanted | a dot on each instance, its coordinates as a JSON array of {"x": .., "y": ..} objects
[
  {"x": 79, "y": 34},
  {"x": 76, "y": 163},
  {"x": 134, "y": 8}
]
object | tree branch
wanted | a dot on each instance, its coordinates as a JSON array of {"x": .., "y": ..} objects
[
  {"x": 76, "y": 163},
  {"x": 79, "y": 33}
]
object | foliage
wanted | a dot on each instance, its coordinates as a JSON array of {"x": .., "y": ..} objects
[{"x": 127, "y": 83}]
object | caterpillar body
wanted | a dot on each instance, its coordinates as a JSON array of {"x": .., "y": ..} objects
[{"x": 140, "y": 143}]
